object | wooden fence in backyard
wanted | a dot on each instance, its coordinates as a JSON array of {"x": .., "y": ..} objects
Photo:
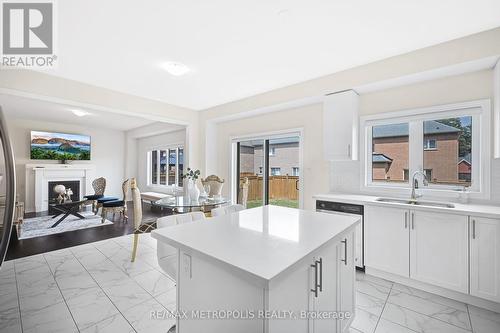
[{"x": 280, "y": 187}]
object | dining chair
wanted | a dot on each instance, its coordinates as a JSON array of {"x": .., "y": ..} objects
[
  {"x": 215, "y": 184},
  {"x": 243, "y": 193},
  {"x": 227, "y": 210},
  {"x": 99, "y": 186},
  {"x": 140, "y": 227},
  {"x": 167, "y": 255},
  {"x": 117, "y": 206}
]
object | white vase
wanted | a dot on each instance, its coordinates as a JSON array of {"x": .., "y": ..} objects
[{"x": 194, "y": 191}]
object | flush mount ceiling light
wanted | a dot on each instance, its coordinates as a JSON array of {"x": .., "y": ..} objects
[
  {"x": 175, "y": 68},
  {"x": 80, "y": 113}
]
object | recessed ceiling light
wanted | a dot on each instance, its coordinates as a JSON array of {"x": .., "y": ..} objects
[
  {"x": 175, "y": 68},
  {"x": 80, "y": 113}
]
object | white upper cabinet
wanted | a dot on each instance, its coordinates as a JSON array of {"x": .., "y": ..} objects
[
  {"x": 485, "y": 258},
  {"x": 341, "y": 126}
]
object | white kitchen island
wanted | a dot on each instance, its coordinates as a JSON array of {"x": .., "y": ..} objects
[{"x": 266, "y": 269}]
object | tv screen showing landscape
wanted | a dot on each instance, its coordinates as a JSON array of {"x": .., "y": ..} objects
[{"x": 59, "y": 146}]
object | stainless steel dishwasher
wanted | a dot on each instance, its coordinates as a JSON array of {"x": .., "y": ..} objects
[{"x": 352, "y": 210}]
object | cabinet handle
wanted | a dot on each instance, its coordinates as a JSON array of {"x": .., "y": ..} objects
[
  {"x": 349, "y": 150},
  {"x": 320, "y": 262},
  {"x": 315, "y": 290},
  {"x": 473, "y": 229},
  {"x": 406, "y": 220},
  {"x": 345, "y": 251},
  {"x": 413, "y": 220}
]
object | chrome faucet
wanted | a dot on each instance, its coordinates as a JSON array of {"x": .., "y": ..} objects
[{"x": 414, "y": 184}]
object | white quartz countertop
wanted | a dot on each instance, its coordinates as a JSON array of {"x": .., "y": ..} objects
[
  {"x": 263, "y": 241},
  {"x": 490, "y": 211}
]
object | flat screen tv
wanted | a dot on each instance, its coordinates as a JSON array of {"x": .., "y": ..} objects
[{"x": 59, "y": 146}]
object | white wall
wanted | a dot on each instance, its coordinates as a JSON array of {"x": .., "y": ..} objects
[
  {"x": 107, "y": 154},
  {"x": 145, "y": 144}
]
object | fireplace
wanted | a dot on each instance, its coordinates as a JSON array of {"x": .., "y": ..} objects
[{"x": 74, "y": 185}]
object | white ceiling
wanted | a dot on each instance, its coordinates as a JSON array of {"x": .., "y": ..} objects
[
  {"x": 241, "y": 48},
  {"x": 16, "y": 107}
]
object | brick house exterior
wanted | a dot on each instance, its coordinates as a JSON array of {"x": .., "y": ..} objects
[
  {"x": 284, "y": 156},
  {"x": 391, "y": 152}
]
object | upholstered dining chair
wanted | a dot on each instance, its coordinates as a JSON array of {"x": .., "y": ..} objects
[
  {"x": 227, "y": 210},
  {"x": 243, "y": 193},
  {"x": 167, "y": 255},
  {"x": 215, "y": 184},
  {"x": 117, "y": 206},
  {"x": 140, "y": 227},
  {"x": 99, "y": 185}
]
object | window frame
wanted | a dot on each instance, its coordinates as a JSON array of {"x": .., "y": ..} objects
[
  {"x": 149, "y": 155},
  {"x": 479, "y": 110},
  {"x": 427, "y": 147}
]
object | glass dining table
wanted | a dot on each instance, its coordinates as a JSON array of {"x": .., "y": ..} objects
[{"x": 180, "y": 204}]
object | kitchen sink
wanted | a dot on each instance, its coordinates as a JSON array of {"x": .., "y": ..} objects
[{"x": 417, "y": 203}]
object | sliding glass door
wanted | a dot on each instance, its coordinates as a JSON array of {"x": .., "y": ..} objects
[
  {"x": 268, "y": 171},
  {"x": 250, "y": 166}
]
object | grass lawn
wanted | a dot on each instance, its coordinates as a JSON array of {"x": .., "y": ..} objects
[{"x": 276, "y": 202}]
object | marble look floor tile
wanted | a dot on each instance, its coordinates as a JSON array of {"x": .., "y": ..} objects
[
  {"x": 74, "y": 285},
  {"x": 29, "y": 263},
  {"x": 90, "y": 258},
  {"x": 9, "y": 301},
  {"x": 369, "y": 303},
  {"x": 112, "y": 324},
  {"x": 370, "y": 288},
  {"x": 364, "y": 321},
  {"x": 52, "y": 319},
  {"x": 123, "y": 261},
  {"x": 168, "y": 299},
  {"x": 416, "y": 321},
  {"x": 430, "y": 297},
  {"x": 425, "y": 306},
  {"x": 484, "y": 321},
  {"x": 108, "y": 247},
  {"x": 107, "y": 273},
  {"x": 58, "y": 256},
  {"x": 70, "y": 267},
  {"x": 40, "y": 297},
  {"x": 141, "y": 320},
  {"x": 126, "y": 294},
  {"x": 385, "y": 326},
  {"x": 10, "y": 320},
  {"x": 34, "y": 277},
  {"x": 381, "y": 282},
  {"x": 154, "y": 282},
  {"x": 8, "y": 284},
  {"x": 91, "y": 307}
]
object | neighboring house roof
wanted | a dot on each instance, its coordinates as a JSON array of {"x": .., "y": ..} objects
[
  {"x": 381, "y": 158},
  {"x": 466, "y": 158},
  {"x": 430, "y": 127}
]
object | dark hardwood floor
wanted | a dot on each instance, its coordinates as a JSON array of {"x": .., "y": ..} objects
[{"x": 27, "y": 247}]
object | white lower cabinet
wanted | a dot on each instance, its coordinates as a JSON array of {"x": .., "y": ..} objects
[
  {"x": 387, "y": 239},
  {"x": 438, "y": 249},
  {"x": 425, "y": 246},
  {"x": 485, "y": 258}
]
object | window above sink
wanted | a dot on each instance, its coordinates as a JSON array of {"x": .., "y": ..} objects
[{"x": 449, "y": 143}]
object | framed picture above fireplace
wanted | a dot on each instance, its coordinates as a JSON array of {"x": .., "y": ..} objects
[{"x": 59, "y": 146}]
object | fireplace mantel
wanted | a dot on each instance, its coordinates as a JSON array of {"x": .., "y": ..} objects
[{"x": 39, "y": 175}]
